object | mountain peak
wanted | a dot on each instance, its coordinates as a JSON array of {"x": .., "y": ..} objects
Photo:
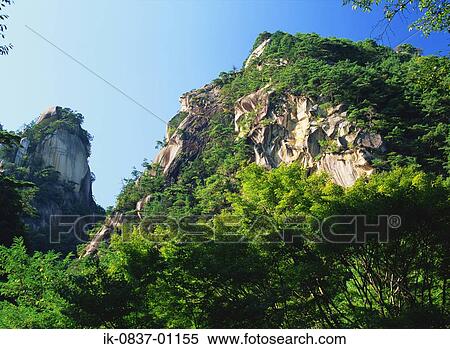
[{"x": 53, "y": 111}]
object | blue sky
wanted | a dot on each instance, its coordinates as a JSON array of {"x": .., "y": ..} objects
[{"x": 153, "y": 51}]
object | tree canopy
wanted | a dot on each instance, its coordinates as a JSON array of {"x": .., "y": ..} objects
[{"x": 433, "y": 15}]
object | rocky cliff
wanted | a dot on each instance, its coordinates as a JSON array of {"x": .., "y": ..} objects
[
  {"x": 331, "y": 105},
  {"x": 281, "y": 129},
  {"x": 184, "y": 141},
  {"x": 289, "y": 128},
  {"x": 66, "y": 152},
  {"x": 53, "y": 154}
]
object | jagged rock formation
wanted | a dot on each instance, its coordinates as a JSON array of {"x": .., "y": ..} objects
[
  {"x": 282, "y": 130},
  {"x": 185, "y": 142},
  {"x": 292, "y": 128}
]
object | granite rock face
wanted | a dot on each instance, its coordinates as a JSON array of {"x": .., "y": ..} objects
[
  {"x": 57, "y": 144},
  {"x": 185, "y": 142},
  {"x": 22, "y": 151},
  {"x": 257, "y": 52},
  {"x": 290, "y": 128},
  {"x": 66, "y": 153}
]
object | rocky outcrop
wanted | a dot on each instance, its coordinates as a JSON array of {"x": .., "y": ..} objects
[
  {"x": 112, "y": 224},
  {"x": 288, "y": 128},
  {"x": 257, "y": 52},
  {"x": 57, "y": 143},
  {"x": 345, "y": 168},
  {"x": 50, "y": 112},
  {"x": 141, "y": 204},
  {"x": 66, "y": 153},
  {"x": 22, "y": 151},
  {"x": 186, "y": 141},
  {"x": 182, "y": 144}
]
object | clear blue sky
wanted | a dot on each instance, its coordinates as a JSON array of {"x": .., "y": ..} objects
[{"x": 153, "y": 51}]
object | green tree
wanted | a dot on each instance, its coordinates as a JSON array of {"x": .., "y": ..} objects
[
  {"x": 399, "y": 284},
  {"x": 30, "y": 289},
  {"x": 113, "y": 290},
  {"x": 14, "y": 196},
  {"x": 434, "y": 14}
]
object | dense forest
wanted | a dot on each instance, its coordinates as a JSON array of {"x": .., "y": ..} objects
[{"x": 255, "y": 259}]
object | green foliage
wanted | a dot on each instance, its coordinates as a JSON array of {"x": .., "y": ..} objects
[
  {"x": 357, "y": 278},
  {"x": 14, "y": 196},
  {"x": 246, "y": 122},
  {"x": 8, "y": 138},
  {"x": 434, "y": 14},
  {"x": 138, "y": 283},
  {"x": 329, "y": 145},
  {"x": 175, "y": 122},
  {"x": 11, "y": 212},
  {"x": 114, "y": 290},
  {"x": 30, "y": 289}
]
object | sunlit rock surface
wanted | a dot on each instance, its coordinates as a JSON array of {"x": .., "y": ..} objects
[
  {"x": 290, "y": 128},
  {"x": 185, "y": 142}
]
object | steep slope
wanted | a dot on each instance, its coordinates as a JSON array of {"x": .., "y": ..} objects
[
  {"x": 183, "y": 132},
  {"x": 53, "y": 154},
  {"x": 297, "y": 129},
  {"x": 346, "y": 109}
]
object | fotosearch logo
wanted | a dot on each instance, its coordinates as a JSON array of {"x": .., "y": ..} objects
[
  {"x": 334, "y": 228},
  {"x": 338, "y": 229}
]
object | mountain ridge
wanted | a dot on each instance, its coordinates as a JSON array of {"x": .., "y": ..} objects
[{"x": 332, "y": 105}]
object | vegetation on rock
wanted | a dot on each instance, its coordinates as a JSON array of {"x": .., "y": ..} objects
[
  {"x": 40, "y": 186},
  {"x": 256, "y": 259}
]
